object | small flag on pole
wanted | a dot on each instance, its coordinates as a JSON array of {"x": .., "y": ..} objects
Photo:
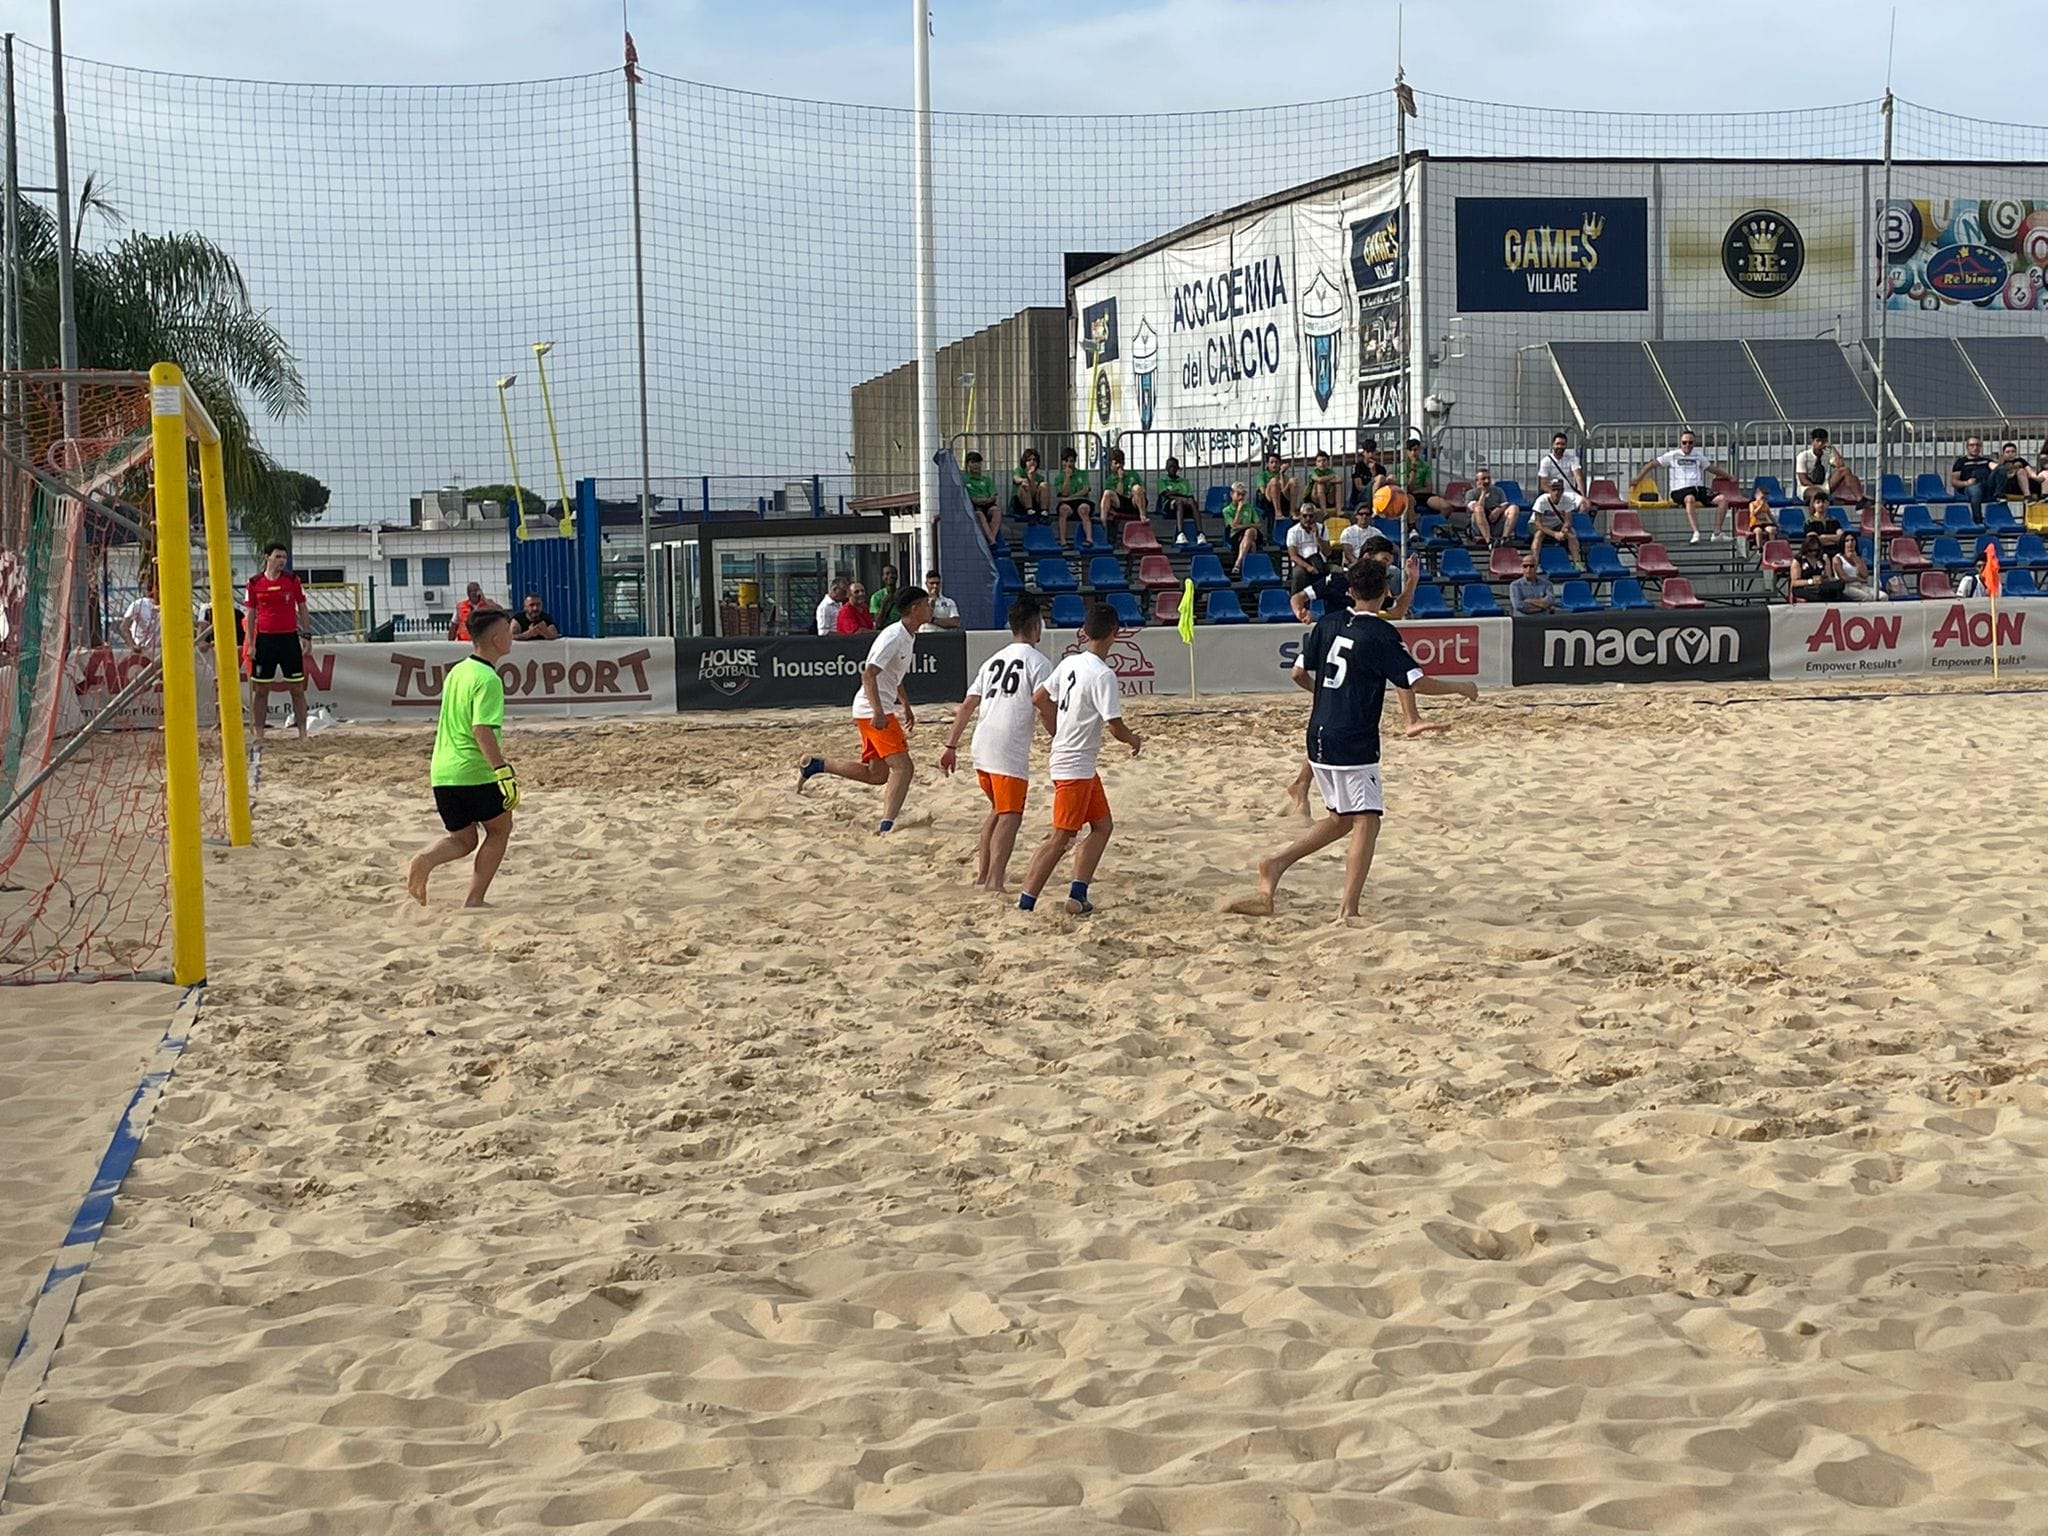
[
  {"x": 1991, "y": 579},
  {"x": 1187, "y": 613},
  {"x": 1404, "y": 97}
]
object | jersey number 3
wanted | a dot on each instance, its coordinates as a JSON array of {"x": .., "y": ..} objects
[{"x": 1336, "y": 666}]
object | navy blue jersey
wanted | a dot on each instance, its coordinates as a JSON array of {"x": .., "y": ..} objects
[{"x": 1352, "y": 657}]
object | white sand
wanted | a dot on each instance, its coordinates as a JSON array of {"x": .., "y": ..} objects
[{"x": 1666, "y": 1154}]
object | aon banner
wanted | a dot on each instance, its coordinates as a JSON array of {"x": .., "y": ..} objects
[{"x": 1908, "y": 639}]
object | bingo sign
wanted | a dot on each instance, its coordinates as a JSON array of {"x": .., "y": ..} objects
[
  {"x": 1552, "y": 254},
  {"x": 1988, "y": 252}
]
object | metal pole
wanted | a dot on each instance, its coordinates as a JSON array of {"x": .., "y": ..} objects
[
  {"x": 1407, "y": 234},
  {"x": 647, "y": 618},
  {"x": 67, "y": 309},
  {"x": 10, "y": 280},
  {"x": 927, "y": 297},
  {"x": 1884, "y": 309}
]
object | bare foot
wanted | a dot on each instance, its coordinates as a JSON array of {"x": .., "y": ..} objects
[
  {"x": 1427, "y": 728},
  {"x": 416, "y": 879},
  {"x": 1297, "y": 796},
  {"x": 1250, "y": 906},
  {"x": 477, "y": 906}
]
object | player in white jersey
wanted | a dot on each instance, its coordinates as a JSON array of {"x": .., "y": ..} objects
[
  {"x": 1078, "y": 703},
  {"x": 882, "y": 712},
  {"x": 1000, "y": 697}
]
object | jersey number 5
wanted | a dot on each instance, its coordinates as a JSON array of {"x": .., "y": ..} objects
[{"x": 1335, "y": 666}]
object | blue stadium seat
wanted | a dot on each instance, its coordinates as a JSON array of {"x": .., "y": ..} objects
[
  {"x": 1512, "y": 489},
  {"x": 2020, "y": 584},
  {"x": 2031, "y": 552},
  {"x": 1603, "y": 563},
  {"x": 1959, "y": 520},
  {"x": 1105, "y": 575},
  {"x": 1039, "y": 542},
  {"x": 1792, "y": 524},
  {"x": 1864, "y": 547},
  {"x": 1206, "y": 572},
  {"x": 1055, "y": 576},
  {"x": 1774, "y": 492},
  {"x": 1930, "y": 487},
  {"x": 1522, "y": 532},
  {"x": 1628, "y": 596},
  {"x": 1999, "y": 519},
  {"x": 1259, "y": 572},
  {"x": 1274, "y": 607},
  {"x": 1556, "y": 560},
  {"x": 1576, "y": 597},
  {"x": 1893, "y": 489},
  {"x": 1069, "y": 611},
  {"x": 1008, "y": 578},
  {"x": 1476, "y": 601},
  {"x": 1128, "y": 613},
  {"x": 1917, "y": 522},
  {"x": 1429, "y": 603},
  {"x": 1391, "y": 527},
  {"x": 1583, "y": 529},
  {"x": 1094, "y": 541},
  {"x": 1947, "y": 554},
  {"x": 1434, "y": 528},
  {"x": 1224, "y": 608},
  {"x": 1456, "y": 565},
  {"x": 1216, "y": 500},
  {"x": 1983, "y": 542}
]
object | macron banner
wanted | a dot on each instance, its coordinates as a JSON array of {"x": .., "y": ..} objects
[
  {"x": 1720, "y": 645},
  {"x": 1811, "y": 642}
]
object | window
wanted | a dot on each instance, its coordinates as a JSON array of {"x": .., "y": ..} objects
[
  {"x": 433, "y": 571},
  {"x": 324, "y": 576},
  {"x": 401, "y": 573}
]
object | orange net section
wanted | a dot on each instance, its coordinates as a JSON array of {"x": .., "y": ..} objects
[{"x": 82, "y": 874}]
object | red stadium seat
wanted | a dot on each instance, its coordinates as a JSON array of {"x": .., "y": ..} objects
[
  {"x": 1138, "y": 537},
  {"x": 1455, "y": 492},
  {"x": 1935, "y": 586},
  {"x": 1156, "y": 571},
  {"x": 1677, "y": 593},
  {"x": 1628, "y": 528},
  {"x": 1653, "y": 563},
  {"x": 1891, "y": 522},
  {"x": 1777, "y": 556},
  {"x": 1506, "y": 564},
  {"x": 1166, "y": 608},
  {"x": 1907, "y": 555},
  {"x": 1606, "y": 496},
  {"x": 1723, "y": 486}
]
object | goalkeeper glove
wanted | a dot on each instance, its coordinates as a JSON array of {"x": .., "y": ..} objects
[{"x": 508, "y": 786}]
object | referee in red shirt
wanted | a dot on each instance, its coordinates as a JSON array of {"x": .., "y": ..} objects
[{"x": 279, "y": 630}]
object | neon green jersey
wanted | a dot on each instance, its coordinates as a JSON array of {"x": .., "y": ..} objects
[{"x": 472, "y": 694}]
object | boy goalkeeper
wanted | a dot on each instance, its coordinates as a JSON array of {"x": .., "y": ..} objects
[{"x": 474, "y": 787}]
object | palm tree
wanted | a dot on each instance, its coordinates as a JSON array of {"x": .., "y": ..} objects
[{"x": 177, "y": 298}]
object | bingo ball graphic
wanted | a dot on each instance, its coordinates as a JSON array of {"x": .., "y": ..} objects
[
  {"x": 2003, "y": 218},
  {"x": 1901, "y": 231},
  {"x": 2021, "y": 288},
  {"x": 1962, "y": 228},
  {"x": 1897, "y": 280},
  {"x": 2033, "y": 242}
]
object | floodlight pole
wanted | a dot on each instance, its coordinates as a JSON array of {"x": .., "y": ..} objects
[
  {"x": 1884, "y": 309},
  {"x": 67, "y": 308},
  {"x": 647, "y": 620},
  {"x": 927, "y": 298}
]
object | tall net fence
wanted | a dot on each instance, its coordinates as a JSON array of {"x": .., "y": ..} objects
[
  {"x": 82, "y": 807},
  {"x": 413, "y": 243}
]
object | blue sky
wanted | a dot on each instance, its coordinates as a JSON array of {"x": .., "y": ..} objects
[{"x": 1101, "y": 56}]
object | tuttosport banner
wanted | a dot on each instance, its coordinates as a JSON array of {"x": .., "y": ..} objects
[
  {"x": 781, "y": 671},
  {"x": 546, "y": 679},
  {"x": 1727, "y": 645},
  {"x": 1811, "y": 642}
]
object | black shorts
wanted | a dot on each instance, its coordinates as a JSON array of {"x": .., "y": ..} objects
[
  {"x": 278, "y": 659},
  {"x": 468, "y": 805}
]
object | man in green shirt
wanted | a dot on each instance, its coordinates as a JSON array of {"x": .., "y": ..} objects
[
  {"x": 981, "y": 493},
  {"x": 1241, "y": 527},
  {"x": 1071, "y": 488},
  {"x": 883, "y": 595},
  {"x": 1325, "y": 485},
  {"x": 1124, "y": 496},
  {"x": 1417, "y": 476},
  {"x": 1177, "y": 497},
  {"x": 475, "y": 789},
  {"x": 1279, "y": 492}
]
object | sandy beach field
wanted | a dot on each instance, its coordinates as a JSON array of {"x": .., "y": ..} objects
[{"x": 1665, "y": 1152}]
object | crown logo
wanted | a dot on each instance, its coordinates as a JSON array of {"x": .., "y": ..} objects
[
  {"x": 1591, "y": 225},
  {"x": 1764, "y": 236}
]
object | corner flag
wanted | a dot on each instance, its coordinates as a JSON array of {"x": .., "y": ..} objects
[
  {"x": 1992, "y": 584},
  {"x": 1187, "y": 613}
]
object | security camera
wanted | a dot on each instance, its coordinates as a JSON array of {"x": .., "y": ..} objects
[{"x": 1438, "y": 403}]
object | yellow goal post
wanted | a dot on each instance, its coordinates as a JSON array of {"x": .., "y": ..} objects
[{"x": 176, "y": 418}]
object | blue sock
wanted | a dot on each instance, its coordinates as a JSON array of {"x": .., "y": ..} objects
[
  {"x": 1078, "y": 891},
  {"x": 1026, "y": 902},
  {"x": 885, "y": 826}
]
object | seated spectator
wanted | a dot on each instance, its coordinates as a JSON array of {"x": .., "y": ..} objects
[
  {"x": 981, "y": 495},
  {"x": 1970, "y": 476},
  {"x": 1072, "y": 488},
  {"x": 1306, "y": 559},
  {"x": 855, "y": 617},
  {"x": 1691, "y": 474},
  {"x": 1241, "y": 527},
  {"x": 1124, "y": 495},
  {"x": 1354, "y": 537},
  {"x": 1487, "y": 505},
  {"x": 1279, "y": 492},
  {"x": 1560, "y": 478},
  {"x": 945, "y": 612},
  {"x": 1366, "y": 473},
  {"x": 1417, "y": 477},
  {"x": 1763, "y": 517},
  {"x": 1812, "y": 578},
  {"x": 1325, "y": 486},
  {"x": 1820, "y": 467},
  {"x": 1177, "y": 499},
  {"x": 2041, "y": 468},
  {"x": 1532, "y": 593},
  {"x": 1551, "y": 524},
  {"x": 829, "y": 605},
  {"x": 532, "y": 622},
  {"x": 1821, "y": 519},
  {"x": 1846, "y": 566},
  {"x": 1030, "y": 498},
  {"x": 2011, "y": 477}
]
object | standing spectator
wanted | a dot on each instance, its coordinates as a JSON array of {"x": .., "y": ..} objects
[
  {"x": 533, "y": 622},
  {"x": 279, "y": 635},
  {"x": 1029, "y": 498},
  {"x": 981, "y": 494},
  {"x": 1485, "y": 503},
  {"x": 1279, "y": 492},
  {"x": 1241, "y": 527},
  {"x": 143, "y": 624},
  {"x": 883, "y": 596},
  {"x": 855, "y": 617},
  {"x": 1691, "y": 474},
  {"x": 1970, "y": 476},
  {"x": 1820, "y": 467},
  {"x": 2011, "y": 477},
  {"x": 945, "y": 612},
  {"x": 1177, "y": 498},
  {"x": 830, "y": 604},
  {"x": 1417, "y": 476},
  {"x": 459, "y": 630},
  {"x": 1561, "y": 479},
  {"x": 1325, "y": 487},
  {"x": 1305, "y": 557},
  {"x": 1124, "y": 495},
  {"x": 1072, "y": 490},
  {"x": 1533, "y": 593}
]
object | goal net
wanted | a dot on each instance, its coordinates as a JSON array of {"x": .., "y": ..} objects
[{"x": 86, "y": 841}]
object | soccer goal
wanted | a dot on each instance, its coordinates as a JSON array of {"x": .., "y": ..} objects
[{"x": 120, "y": 737}]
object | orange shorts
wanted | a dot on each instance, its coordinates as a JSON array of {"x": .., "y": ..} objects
[
  {"x": 1004, "y": 793},
  {"x": 1077, "y": 803},
  {"x": 883, "y": 738}
]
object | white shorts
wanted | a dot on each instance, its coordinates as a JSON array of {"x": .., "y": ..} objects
[{"x": 1352, "y": 791}]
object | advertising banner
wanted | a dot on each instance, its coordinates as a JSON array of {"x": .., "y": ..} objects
[
  {"x": 1730, "y": 645},
  {"x": 545, "y": 679},
  {"x": 1946, "y": 253},
  {"x": 1776, "y": 244},
  {"x": 780, "y": 672},
  {"x": 1553, "y": 254},
  {"x": 1810, "y": 642}
]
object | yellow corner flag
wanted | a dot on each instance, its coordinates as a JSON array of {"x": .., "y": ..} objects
[{"x": 1187, "y": 613}]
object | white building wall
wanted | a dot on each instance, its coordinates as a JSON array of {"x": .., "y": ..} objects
[{"x": 480, "y": 553}]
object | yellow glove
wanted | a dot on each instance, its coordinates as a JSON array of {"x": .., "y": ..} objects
[{"x": 508, "y": 786}]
